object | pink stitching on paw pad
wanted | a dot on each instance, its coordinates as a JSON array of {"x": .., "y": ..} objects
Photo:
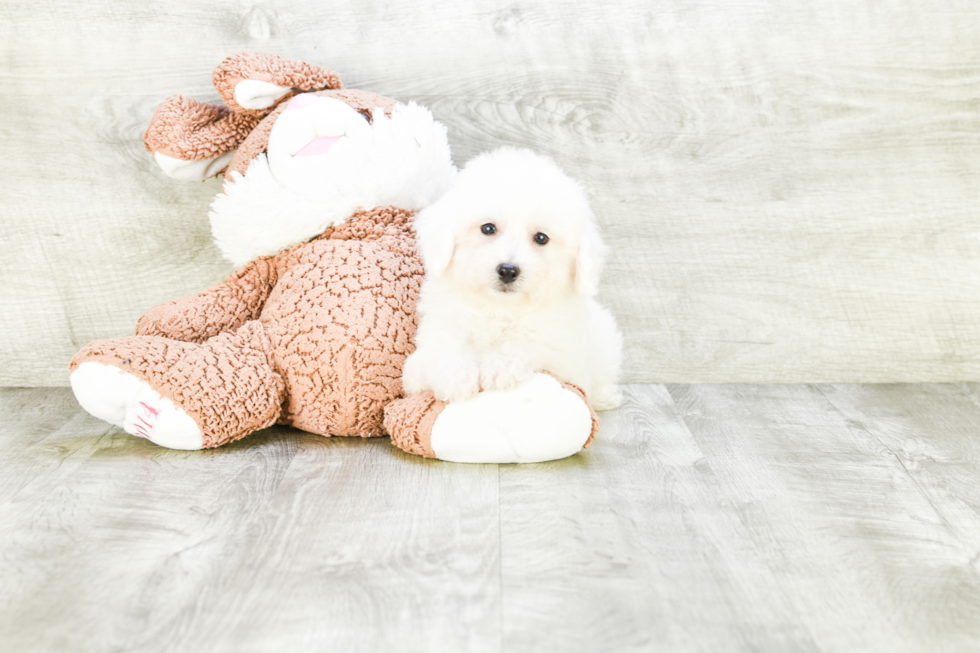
[{"x": 147, "y": 420}]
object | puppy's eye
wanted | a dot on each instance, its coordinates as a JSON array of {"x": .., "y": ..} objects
[
  {"x": 489, "y": 229},
  {"x": 540, "y": 238}
]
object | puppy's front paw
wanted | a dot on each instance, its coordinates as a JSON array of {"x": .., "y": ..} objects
[
  {"x": 458, "y": 382},
  {"x": 606, "y": 398},
  {"x": 503, "y": 371}
]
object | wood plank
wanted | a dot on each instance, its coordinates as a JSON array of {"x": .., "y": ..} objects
[
  {"x": 789, "y": 192},
  {"x": 854, "y": 540},
  {"x": 736, "y": 518},
  {"x": 282, "y": 541},
  {"x": 115, "y": 542},
  {"x": 365, "y": 549},
  {"x": 715, "y": 517},
  {"x": 28, "y": 415},
  {"x": 931, "y": 430},
  {"x": 635, "y": 546}
]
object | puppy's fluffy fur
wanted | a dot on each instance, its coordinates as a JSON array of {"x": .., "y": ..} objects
[{"x": 475, "y": 330}]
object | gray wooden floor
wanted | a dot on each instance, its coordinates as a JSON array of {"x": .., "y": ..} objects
[{"x": 705, "y": 518}]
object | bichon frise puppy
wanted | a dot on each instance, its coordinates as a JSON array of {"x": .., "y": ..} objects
[{"x": 512, "y": 260}]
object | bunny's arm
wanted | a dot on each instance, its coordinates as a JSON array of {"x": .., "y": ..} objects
[{"x": 221, "y": 308}]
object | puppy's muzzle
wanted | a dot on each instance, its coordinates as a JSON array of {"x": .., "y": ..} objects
[{"x": 508, "y": 272}]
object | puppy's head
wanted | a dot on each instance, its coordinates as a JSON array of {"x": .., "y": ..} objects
[{"x": 513, "y": 228}]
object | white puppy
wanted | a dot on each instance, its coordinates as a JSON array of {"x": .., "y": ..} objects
[{"x": 512, "y": 259}]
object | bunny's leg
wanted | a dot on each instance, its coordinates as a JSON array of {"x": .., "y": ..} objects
[
  {"x": 539, "y": 420},
  {"x": 182, "y": 395},
  {"x": 223, "y": 307}
]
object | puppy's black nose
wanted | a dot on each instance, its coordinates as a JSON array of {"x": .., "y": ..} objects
[{"x": 508, "y": 272}]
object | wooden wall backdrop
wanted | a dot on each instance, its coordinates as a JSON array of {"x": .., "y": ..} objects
[{"x": 790, "y": 189}]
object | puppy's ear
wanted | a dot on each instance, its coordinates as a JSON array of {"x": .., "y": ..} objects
[
  {"x": 589, "y": 260},
  {"x": 436, "y": 237}
]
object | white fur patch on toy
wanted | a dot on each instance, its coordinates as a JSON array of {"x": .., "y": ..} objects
[
  {"x": 256, "y": 94},
  {"x": 192, "y": 170},
  {"x": 537, "y": 421},
  {"x": 399, "y": 160},
  {"x": 122, "y": 399}
]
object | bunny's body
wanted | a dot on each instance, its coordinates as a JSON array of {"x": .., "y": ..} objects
[{"x": 317, "y": 208}]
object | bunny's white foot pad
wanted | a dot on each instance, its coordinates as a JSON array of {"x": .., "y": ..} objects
[
  {"x": 541, "y": 419},
  {"x": 193, "y": 170},
  {"x": 126, "y": 401}
]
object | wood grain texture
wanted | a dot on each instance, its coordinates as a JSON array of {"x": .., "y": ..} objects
[
  {"x": 284, "y": 541},
  {"x": 704, "y": 518},
  {"x": 762, "y": 518},
  {"x": 789, "y": 191}
]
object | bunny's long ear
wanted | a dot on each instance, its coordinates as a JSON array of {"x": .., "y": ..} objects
[
  {"x": 436, "y": 236},
  {"x": 194, "y": 140},
  {"x": 254, "y": 82}
]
